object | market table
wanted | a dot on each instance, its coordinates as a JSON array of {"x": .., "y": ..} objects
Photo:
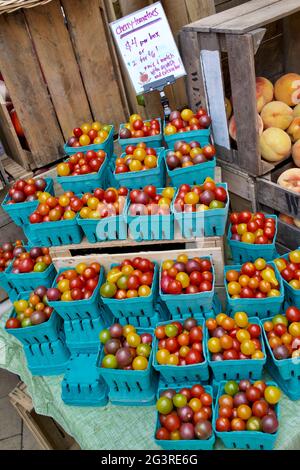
[{"x": 111, "y": 427}]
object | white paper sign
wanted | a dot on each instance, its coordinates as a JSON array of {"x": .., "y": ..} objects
[{"x": 147, "y": 46}]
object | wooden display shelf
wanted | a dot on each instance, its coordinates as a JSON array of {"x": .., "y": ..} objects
[
  {"x": 223, "y": 55},
  {"x": 216, "y": 251},
  {"x": 47, "y": 432}
]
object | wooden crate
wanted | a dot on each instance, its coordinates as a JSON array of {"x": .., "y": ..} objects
[
  {"x": 47, "y": 432},
  {"x": 260, "y": 37},
  {"x": 62, "y": 258},
  {"x": 60, "y": 69}
]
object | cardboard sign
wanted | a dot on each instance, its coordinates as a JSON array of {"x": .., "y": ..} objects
[{"x": 147, "y": 47}]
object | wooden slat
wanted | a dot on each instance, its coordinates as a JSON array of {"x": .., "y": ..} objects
[
  {"x": 107, "y": 259},
  {"x": 211, "y": 23},
  {"x": 288, "y": 235},
  {"x": 225, "y": 5},
  {"x": 9, "y": 137},
  {"x": 259, "y": 17},
  {"x": 239, "y": 183},
  {"x": 242, "y": 77},
  {"x": 15, "y": 170},
  {"x": 272, "y": 195},
  {"x": 291, "y": 38},
  {"x": 198, "y": 9},
  {"x": 128, "y": 6},
  {"x": 210, "y": 60},
  {"x": 27, "y": 87},
  {"x": 46, "y": 23},
  {"x": 190, "y": 53},
  {"x": 88, "y": 34}
]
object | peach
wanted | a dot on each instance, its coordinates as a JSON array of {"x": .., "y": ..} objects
[
  {"x": 290, "y": 179},
  {"x": 275, "y": 144},
  {"x": 264, "y": 92},
  {"x": 232, "y": 126},
  {"x": 297, "y": 222},
  {"x": 287, "y": 89},
  {"x": 277, "y": 114},
  {"x": 287, "y": 219},
  {"x": 294, "y": 129},
  {"x": 296, "y": 153},
  {"x": 296, "y": 111}
]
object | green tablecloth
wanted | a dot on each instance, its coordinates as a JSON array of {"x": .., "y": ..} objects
[{"x": 112, "y": 427}]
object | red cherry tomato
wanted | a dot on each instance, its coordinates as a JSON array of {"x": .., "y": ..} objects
[{"x": 193, "y": 357}]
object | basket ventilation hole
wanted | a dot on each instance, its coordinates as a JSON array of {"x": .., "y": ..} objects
[
  {"x": 201, "y": 309},
  {"x": 90, "y": 388},
  {"x": 26, "y": 341},
  {"x": 68, "y": 388},
  {"x": 214, "y": 230},
  {"x": 247, "y": 446},
  {"x": 81, "y": 325},
  {"x": 127, "y": 386},
  {"x": 139, "y": 387},
  {"x": 46, "y": 337},
  {"x": 234, "y": 445},
  {"x": 116, "y": 386},
  {"x": 36, "y": 339},
  {"x": 88, "y": 315},
  {"x": 49, "y": 241},
  {"x": 261, "y": 447},
  {"x": 142, "y": 312},
  {"x": 79, "y": 388},
  {"x": 41, "y": 350},
  {"x": 250, "y": 374},
  {"x": 91, "y": 325},
  {"x": 293, "y": 373},
  {"x": 50, "y": 348}
]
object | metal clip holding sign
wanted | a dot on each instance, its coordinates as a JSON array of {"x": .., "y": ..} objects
[{"x": 159, "y": 85}]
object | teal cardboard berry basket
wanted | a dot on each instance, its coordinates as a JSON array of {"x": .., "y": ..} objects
[
  {"x": 138, "y": 179},
  {"x": 292, "y": 295},
  {"x": 237, "y": 369},
  {"x": 182, "y": 374},
  {"x": 136, "y": 306},
  {"x": 153, "y": 141},
  {"x": 21, "y": 211},
  {"x": 209, "y": 223},
  {"x": 36, "y": 334},
  {"x": 195, "y": 174},
  {"x": 84, "y": 183},
  {"x": 109, "y": 228},
  {"x": 130, "y": 387},
  {"x": 202, "y": 136},
  {"x": 151, "y": 227},
  {"x": 183, "y": 444},
  {"x": 9, "y": 288},
  {"x": 79, "y": 309},
  {"x": 160, "y": 314},
  {"x": 23, "y": 282},
  {"x": 49, "y": 358},
  {"x": 81, "y": 385},
  {"x": 61, "y": 232},
  {"x": 251, "y": 440},
  {"x": 183, "y": 306},
  {"x": 242, "y": 252},
  {"x": 286, "y": 372},
  {"x": 107, "y": 145},
  {"x": 266, "y": 307},
  {"x": 82, "y": 336}
]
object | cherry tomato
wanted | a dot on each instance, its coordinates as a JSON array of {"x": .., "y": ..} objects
[
  {"x": 162, "y": 434},
  {"x": 223, "y": 424}
]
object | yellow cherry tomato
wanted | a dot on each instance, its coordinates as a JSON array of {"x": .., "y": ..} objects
[
  {"x": 84, "y": 140},
  {"x": 151, "y": 161},
  {"x": 128, "y": 329},
  {"x": 173, "y": 360},
  {"x": 167, "y": 264},
  {"x": 85, "y": 127},
  {"x": 168, "y": 192},
  {"x": 66, "y": 296},
  {"x": 187, "y": 114},
  {"x": 144, "y": 291},
  {"x": 140, "y": 363},
  {"x": 182, "y": 258},
  {"x": 248, "y": 347},
  {"x": 162, "y": 356},
  {"x": 214, "y": 345},
  {"x": 294, "y": 328},
  {"x": 248, "y": 237},
  {"x": 183, "y": 351},
  {"x": 63, "y": 285},
  {"x": 242, "y": 335},
  {"x": 93, "y": 202},
  {"x": 134, "y": 117},
  {"x": 272, "y": 394},
  {"x": 80, "y": 268},
  {"x": 241, "y": 319},
  {"x": 184, "y": 279},
  {"x": 220, "y": 317},
  {"x": 195, "y": 404},
  {"x": 241, "y": 228},
  {"x": 133, "y": 339},
  {"x": 260, "y": 264},
  {"x": 135, "y": 165},
  {"x": 257, "y": 355},
  {"x": 234, "y": 288}
]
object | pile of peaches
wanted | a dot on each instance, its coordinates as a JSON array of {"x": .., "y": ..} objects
[{"x": 278, "y": 117}]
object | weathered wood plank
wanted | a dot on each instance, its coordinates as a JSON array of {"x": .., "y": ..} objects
[
  {"x": 9, "y": 137},
  {"x": 208, "y": 24},
  {"x": 27, "y": 87},
  {"x": 198, "y": 9},
  {"x": 242, "y": 77},
  {"x": 190, "y": 53},
  {"x": 46, "y": 24},
  {"x": 288, "y": 235},
  {"x": 210, "y": 59},
  {"x": 259, "y": 17},
  {"x": 291, "y": 38},
  {"x": 225, "y": 5},
  {"x": 272, "y": 195},
  {"x": 93, "y": 53}
]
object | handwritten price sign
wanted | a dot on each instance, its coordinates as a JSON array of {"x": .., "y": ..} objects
[{"x": 147, "y": 46}]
